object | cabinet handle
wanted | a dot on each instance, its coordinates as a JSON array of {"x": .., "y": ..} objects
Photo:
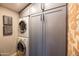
[
  {"x": 42, "y": 6},
  {"x": 42, "y": 18}
]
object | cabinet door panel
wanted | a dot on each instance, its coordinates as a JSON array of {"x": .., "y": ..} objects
[
  {"x": 56, "y": 31},
  {"x": 52, "y": 5},
  {"x": 36, "y": 35}
]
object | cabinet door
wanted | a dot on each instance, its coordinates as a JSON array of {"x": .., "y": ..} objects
[
  {"x": 56, "y": 31},
  {"x": 35, "y": 8},
  {"x": 48, "y": 6},
  {"x": 35, "y": 35}
]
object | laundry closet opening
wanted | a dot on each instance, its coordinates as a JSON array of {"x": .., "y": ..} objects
[{"x": 33, "y": 29}]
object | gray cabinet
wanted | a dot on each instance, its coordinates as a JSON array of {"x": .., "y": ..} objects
[
  {"x": 35, "y": 35},
  {"x": 48, "y": 33},
  {"x": 56, "y": 31}
]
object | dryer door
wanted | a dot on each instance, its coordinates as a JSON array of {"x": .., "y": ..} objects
[{"x": 22, "y": 26}]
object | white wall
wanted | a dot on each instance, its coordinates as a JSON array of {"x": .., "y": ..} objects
[{"x": 8, "y": 43}]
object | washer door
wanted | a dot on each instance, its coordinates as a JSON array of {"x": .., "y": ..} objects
[
  {"x": 22, "y": 26},
  {"x": 21, "y": 48}
]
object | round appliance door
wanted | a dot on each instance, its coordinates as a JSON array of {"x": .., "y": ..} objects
[
  {"x": 22, "y": 26},
  {"x": 21, "y": 49}
]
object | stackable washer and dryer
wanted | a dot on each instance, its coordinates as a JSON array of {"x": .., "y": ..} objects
[{"x": 23, "y": 38}]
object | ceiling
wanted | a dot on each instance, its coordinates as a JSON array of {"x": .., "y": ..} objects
[{"x": 14, "y": 6}]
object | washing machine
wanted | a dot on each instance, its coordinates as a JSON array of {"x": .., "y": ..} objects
[
  {"x": 23, "y": 46},
  {"x": 24, "y": 27}
]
